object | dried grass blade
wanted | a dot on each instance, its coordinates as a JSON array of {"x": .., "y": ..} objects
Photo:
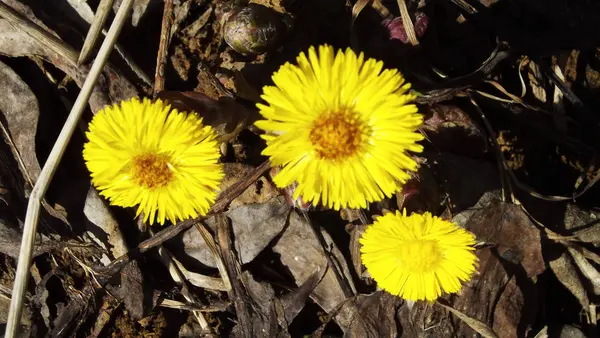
[{"x": 33, "y": 207}]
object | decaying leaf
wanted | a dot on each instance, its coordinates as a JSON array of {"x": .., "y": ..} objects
[
  {"x": 101, "y": 219},
  {"x": 587, "y": 269},
  {"x": 375, "y": 315},
  {"x": 565, "y": 271},
  {"x": 302, "y": 253},
  {"x": 254, "y": 227},
  {"x": 20, "y": 108},
  {"x": 293, "y": 302},
  {"x": 509, "y": 228},
  {"x": 503, "y": 294}
]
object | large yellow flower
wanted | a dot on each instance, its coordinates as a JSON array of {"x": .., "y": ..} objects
[
  {"x": 146, "y": 154},
  {"x": 340, "y": 127},
  {"x": 418, "y": 257}
]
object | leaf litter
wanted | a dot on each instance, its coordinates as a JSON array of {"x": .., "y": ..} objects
[{"x": 521, "y": 175}]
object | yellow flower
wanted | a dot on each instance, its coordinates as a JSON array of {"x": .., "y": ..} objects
[
  {"x": 147, "y": 154},
  {"x": 340, "y": 127},
  {"x": 418, "y": 257}
]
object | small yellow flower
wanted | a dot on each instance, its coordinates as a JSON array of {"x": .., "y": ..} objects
[
  {"x": 147, "y": 154},
  {"x": 340, "y": 127},
  {"x": 418, "y": 257}
]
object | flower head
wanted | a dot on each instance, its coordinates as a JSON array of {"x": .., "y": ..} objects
[
  {"x": 418, "y": 257},
  {"x": 340, "y": 127},
  {"x": 146, "y": 154}
]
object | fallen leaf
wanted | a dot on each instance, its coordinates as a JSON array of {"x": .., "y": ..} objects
[
  {"x": 21, "y": 111},
  {"x": 254, "y": 227},
  {"x": 302, "y": 253},
  {"x": 565, "y": 271},
  {"x": 503, "y": 294},
  {"x": 375, "y": 315},
  {"x": 516, "y": 238}
]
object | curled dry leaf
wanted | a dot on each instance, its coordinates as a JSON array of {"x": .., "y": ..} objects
[
  {"x": 587, "y": 269},
  {"x": 565, "y": 271},
  {"x": 254, "y": 227}
]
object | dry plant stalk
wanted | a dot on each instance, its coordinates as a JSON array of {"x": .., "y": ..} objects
[
  {"x": 92, "y": 36},
  {"x": 163, "y": 47},
  {"x": 409, "y": 27},
  {"x": 41, "y": 186}
]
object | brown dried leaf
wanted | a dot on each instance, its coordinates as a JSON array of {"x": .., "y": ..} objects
[
  {"x": 294, "y": 301},
  {"x": 375, "y": 315},
  {"x": 503, "y": 295},
  {"x": 254, "y": 227},
  {"x": 302, "y": 254},
  {"x": 587, "y": 269},
  {"x": 20, "y": 108},
  {"x": 564, "y": 269},
  {"x": 517, "y": 239}
]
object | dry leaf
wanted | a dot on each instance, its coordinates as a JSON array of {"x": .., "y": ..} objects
[
  {"x": 20, "y": 108},
  {"x": 564, "y": 269},
  {"x": 254, "y": 227},
  {"x": 375, "y": 316},
  {"x": 301, "y": 253}
]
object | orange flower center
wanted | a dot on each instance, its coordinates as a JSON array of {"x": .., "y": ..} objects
[
  {"x": 420, "y": 255},
  {"x": 337, "y": 135},
  {"x": 151, "y": 171}
]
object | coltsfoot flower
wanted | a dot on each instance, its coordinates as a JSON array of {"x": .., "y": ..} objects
[
  {"x": 144, "y": 153},
  {"x": 418, "y": 257},
  {"x": 341, "y": 127}
]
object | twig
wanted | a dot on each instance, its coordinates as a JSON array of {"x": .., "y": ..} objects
[
  {"x": 96, "y": 27},
  {"x": 163, "y": 47},
  {"x": 38, "y": 33},
  {"x": 237, "y": 293},
  {"x": 33, "y": 208}
]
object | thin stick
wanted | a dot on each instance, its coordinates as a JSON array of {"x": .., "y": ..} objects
[
  {"x": 163, "y": 47},
  {"x": 33, "y": 207},
  {"x": 99, "y": 19}
]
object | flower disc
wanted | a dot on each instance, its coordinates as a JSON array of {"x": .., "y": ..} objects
[
  {"x": 146, "y": 154},
  {"x": 341, "y": 127}
]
